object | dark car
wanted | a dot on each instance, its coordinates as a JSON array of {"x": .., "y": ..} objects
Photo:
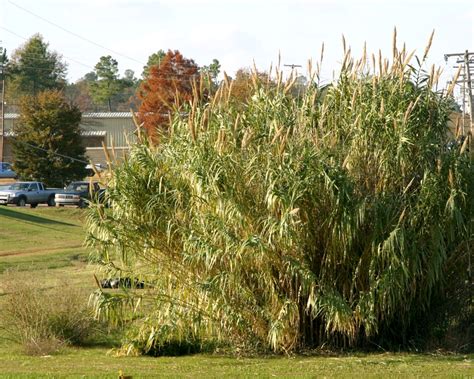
[{"x": 78, "y": 193}]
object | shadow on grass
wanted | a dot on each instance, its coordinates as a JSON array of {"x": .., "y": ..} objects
[
  {"x": 42, "y": 262},
  {"x": 6, "y": 212},
  {"x": 105, "y": 337}
]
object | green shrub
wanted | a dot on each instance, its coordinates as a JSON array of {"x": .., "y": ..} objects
[{"x": 287, "y": 223}]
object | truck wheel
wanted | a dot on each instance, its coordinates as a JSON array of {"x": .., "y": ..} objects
[
  {"x": 51, "y": 202},
  {"x": 33, "y": 205},
  {"x": 21, "y": 201}
]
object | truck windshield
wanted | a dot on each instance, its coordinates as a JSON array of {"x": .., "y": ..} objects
[
  {"x": 19, "y": 186},
  {"x": 77, "y": 187}
]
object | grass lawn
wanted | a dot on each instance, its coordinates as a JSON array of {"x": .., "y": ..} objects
[
  {"x": 41, "y": 238},
  {"x": 44, "y": 245},
  {"x": 95, "y": 363},
  {"x": 31, "y": 231}
]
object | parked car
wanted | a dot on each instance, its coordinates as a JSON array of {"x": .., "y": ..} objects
[
  {"x": 77, "y": 193},
  {"x": 33, "y": 193},
  {"x": 6, "y": 170}
]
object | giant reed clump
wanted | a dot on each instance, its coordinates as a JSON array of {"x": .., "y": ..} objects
[{"x": 287, "y": 223}]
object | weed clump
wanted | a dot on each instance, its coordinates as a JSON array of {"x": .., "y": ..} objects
[{"x": 42, "y": 320}]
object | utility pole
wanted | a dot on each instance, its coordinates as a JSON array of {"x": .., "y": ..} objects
[
  {"x": 467, "y": 63},
  {"x": 466, "y": 59},
  {"x": 2, "y": 101}
]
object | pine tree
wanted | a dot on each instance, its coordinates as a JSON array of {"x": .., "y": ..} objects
[
  {"x": 108, "y": 83},
  {"x": 154, "y": 59},
  {"x": 34, "y": 68}
]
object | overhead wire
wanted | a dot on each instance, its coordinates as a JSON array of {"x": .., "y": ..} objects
[
  {"x": 182, "y": 77},
  {"x": 174, "y": 77},
  {"x": 73, "y": 33},
  {"x": 48, "y": 151},
  {"x": 26, "y": 39}
]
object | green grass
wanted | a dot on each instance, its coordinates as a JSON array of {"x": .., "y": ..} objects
[
  {"x": 51, "y": 258},
  {"x": 43, "y": 261},
  {"x": 41, "y": 238},
  {"x": 95, "y": 363},
  {"x": 25, "y": 230}
]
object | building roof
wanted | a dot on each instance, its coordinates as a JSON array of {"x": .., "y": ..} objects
[
  {"x": 12, "y": 116},
  {"x": 84, "y": 133},
  {"x": 93, "y": 133},
  {"x": 107, "y": 115}
]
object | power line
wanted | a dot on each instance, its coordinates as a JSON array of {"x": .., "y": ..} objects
[
  {"x": 36, "y": 68},
  {"x": 48, "y": 151},
  {"x": 73, "y": 33},
  {"x": 64, "y": 56},
  {"x": 177, "y": 77}
]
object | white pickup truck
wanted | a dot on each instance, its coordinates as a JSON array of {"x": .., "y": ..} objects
[{"x": 33, "y": 193}]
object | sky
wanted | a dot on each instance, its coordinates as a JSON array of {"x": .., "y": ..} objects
[{"x": 237, "y": 33}]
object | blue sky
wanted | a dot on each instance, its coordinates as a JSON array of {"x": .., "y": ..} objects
[{"x": 235, "y": 32}]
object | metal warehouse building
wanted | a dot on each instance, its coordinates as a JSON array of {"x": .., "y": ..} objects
[{"x": 113, "y": 129}]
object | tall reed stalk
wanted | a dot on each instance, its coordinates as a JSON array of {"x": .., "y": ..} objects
[{"x": 287, "y": 223}]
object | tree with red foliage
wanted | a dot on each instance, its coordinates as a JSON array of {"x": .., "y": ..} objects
[{"x": 168, "y": 85}]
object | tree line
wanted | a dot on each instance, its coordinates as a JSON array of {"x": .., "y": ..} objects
[
  {"x": 47, "y": 144},
  {"x": 34, "y": 67},
  {"x": 37, "y": 89}
]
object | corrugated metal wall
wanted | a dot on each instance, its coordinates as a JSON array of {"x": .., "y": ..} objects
[{"x": 118, "y": 126}]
